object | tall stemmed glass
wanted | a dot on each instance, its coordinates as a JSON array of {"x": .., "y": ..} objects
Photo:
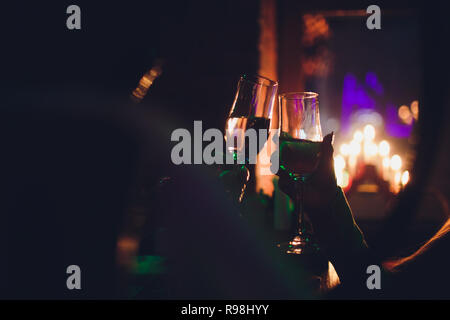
[
  {"x": 252, "y": 109},
  {"x": 300, "y": 141}
]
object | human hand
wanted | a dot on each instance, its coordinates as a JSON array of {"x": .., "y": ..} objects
[
  {"x": 321, "y": 186},
  {"x": 234, "y": 179}
]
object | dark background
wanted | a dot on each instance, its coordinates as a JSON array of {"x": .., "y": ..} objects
[{"x": 66, "y": 113}]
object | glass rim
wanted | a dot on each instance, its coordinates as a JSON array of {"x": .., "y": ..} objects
[
  {"x": 298, "y": 95},
  {"x": 259, "y": 79}
]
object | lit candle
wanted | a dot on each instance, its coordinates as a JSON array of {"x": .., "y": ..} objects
[
  {"x": 339, "y": 165},
  {"x": 358, "y": 136},
  {"x": 396, "y": 165},
  {"x": 405, "y": 178},
  {"x": 369, "y": 132},
  {"x": 344, "y": 149},
  {"x": 385, "y": 165},
  {"x": 384, "y": 148},
  {"x": 396, "y": 162},
  {"x": 354, "y": 152},
  {"x": 397, "y": 180},
  {"x": 370, "y": 151}
]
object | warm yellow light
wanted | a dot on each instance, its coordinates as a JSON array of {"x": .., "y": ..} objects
[
  {"x": 145, "y": 82},
  {"x": 405, "y": 114},
  {"x": 396, "y": 162},
  {"x": 405, "y": 177},
  {"x": 415, "y": 109},
  {"x": 342, "y": 179},
  {"x": 369, "y": 132},
  {"x": 354, "y": 148},
  {"x": 231, "y": 125},
  {"x": 344, "y": 149},
  {"x": 386, "y": 162},
  {"x": 358, "y": 136},
  {"x": 384, "y": 148},
  {"x": 370, "y": 149},
  {"x": 352, "y": 161},
  {"x": 339, "y": 163},
  {"x": 397, "y": 178},
  {"x": 345, "y": 179}
]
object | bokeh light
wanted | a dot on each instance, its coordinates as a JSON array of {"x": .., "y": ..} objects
[
  {"x": 396, "y": 162},
  {"x": 405, "y": 114},
  {"x": 345, "y": 149},
  {"x": 355, "y": 148},
  {"x": 384, "y": 148},
  {"x": 415, "y": 109},
  {"x": 358, "y": 136},
  {"x": 369, "y": 132},
  {"x": 405, "y": 177}
]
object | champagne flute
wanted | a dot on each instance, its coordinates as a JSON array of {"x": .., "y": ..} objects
[
  {"x": 300, "y": 141},
  {"x": 251, "y": 111}
]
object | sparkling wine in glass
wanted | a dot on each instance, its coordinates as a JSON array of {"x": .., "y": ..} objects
[
  {"x": 300, "y": 141},
  {"x": 251, "y": 111}
]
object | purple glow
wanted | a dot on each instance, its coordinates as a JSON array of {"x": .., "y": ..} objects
[
  {"x": 372, "y": 82},
  {"x": 354, "y": 97},
  {"x": 393, "y": 127}
]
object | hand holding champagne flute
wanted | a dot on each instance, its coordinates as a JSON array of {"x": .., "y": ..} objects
[{"x": 300, "y": 145}]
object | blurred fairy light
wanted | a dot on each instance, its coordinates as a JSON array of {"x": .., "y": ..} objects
[
  {"x": 358, "y": 136},
  {"x": 315, "y": 28},
  {"x": 397, "y": 178},
  {"x": 405, "y": 177},
  {"x": 345, "y": 149},
  {"x": 405, "y": 114},
  {"x": 384, "y": 148},
  {"x": 369, "y": 132},
  {"x": 145, "y": 82},
  {"x": 370, "y": 149},
  {"x": 364, "y": 116},
  {"x": 339, "y": 163},
  {"x": 396, "y": 162},
  {"x": 415, "y": 109},
  {"x": 363, "y": 150},
  {"x": 354, "y": 148},
  {"x": 342, "y": 177},
  {"x": 386, "y": 162},
  {"x": 352, "y": 161}
]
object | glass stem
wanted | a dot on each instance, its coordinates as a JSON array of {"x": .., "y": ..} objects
[{"x": 300, "y": 186}]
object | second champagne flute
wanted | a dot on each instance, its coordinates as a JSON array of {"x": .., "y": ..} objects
[{"x": 300, "y": 142}]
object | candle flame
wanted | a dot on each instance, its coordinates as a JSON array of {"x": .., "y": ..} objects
[
  {"x": 396, "y": 162},
  {"x": 397, "y": 178},
  {"x": 369, "y": 132},
  {"x": 384, "y": 148},
  {"x": 339, "y": 163},
  {"x": 415, "y": 109},
  {"x": 358, "y": 136},
  {"x": 405, "y": 114},
  {"x": 370, "y": 149},
  {"x": 405, "y": 177},
  {"x": 386, "y": 162},
  {"x": 344, "y": 149},
  {"x": 355, "y": 148}
]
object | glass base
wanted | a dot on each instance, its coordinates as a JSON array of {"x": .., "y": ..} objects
[{"x": 302, "y": 243}]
